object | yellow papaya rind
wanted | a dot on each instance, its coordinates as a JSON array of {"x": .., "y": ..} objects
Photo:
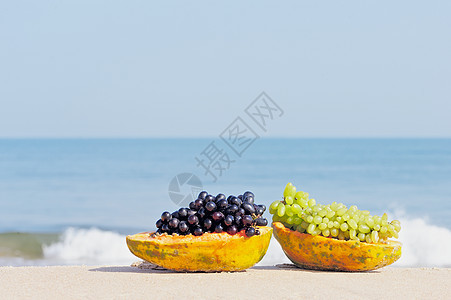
[
  {"x": 210, "y": 252},
  {"x": 321, "y": 253}
]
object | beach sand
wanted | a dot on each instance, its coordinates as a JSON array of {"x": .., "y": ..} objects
[{"x": 276, "y": 282}]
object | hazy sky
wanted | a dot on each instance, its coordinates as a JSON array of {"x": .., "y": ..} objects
[{"x": 178, "y": 68}]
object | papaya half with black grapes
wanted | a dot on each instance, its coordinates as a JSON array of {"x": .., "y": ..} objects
[{"x": 210, "y": 252}]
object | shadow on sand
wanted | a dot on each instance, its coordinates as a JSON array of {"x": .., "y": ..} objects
[
  {"x": 158, "y": 270},
  {"x": 129, "y": 269}
]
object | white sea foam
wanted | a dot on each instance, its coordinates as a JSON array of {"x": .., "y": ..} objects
[
  {"x": 89, "y": 246},
  {"x": 424, "y": 244}
]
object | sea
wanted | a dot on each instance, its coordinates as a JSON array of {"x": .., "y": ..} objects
[{"x": 73, "y": 201}]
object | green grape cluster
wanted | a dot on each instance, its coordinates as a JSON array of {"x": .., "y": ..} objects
[{"x": 299, "y": 212}]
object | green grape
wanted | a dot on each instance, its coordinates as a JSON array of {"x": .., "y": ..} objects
[
  {"x": 369, "y": 221},
  {"x": 290, "y": 220},
  {"x": 322, "y": 226},
  {"x": 304, "y": 225},
  {"x": 352, "y": 223},
  {"x": 272, "y": 210},
  {"x": 336, "y": 224},
  {"x": 290, "y": 190},
  {"x": 362, "y": 218},
  {"x": 303, "y": 202},
  {"x": 353, "y": 234},
  {"x": 364, "y": 228},
  {"x": 344, "y": 227},
  {"x": 299, "y": 195},
  {"x": 326, "y": 220},
  {"x": 391, "y": 228},
  {"x": 340, "y": 206},
  {"x": 365, "y": 212},
  {"x": 300, "y": 229},
  {"x": 368, "y": 238},
  {"x": 346, "y": 217},
  {"x": 374, "y": 236},
  {"x": 342, "y": 211},
  {"x": 334, "y": 206},
  {"x": 334, "y": 232},
  {"x": 311, "y": 228},
  {"x": 330, "y": 224},
  {"x": 361, "y": 237},
  {"x": 296, "y": 209},
  {"x": 318, "y": 219},
  {"x": 347, "y": 236},
  {"x": 288, "y": 210},
  {"x": 311, "y": 202},
  {"x": 316, "y": 232},
  {"x": 274, "y": 205},
  {"x": 309, "y": 219},
  {"x": 297, "y": 220},
  {"x": 330, "y": 214},
  {"x": 396, "y": 225},
  {"x": 322, "y": 213},
  {"x": 377, "y": 220},
  {"x": 384, "y": 229},
  {"x": 289, "y": 200},
  {"x": 353, "y": 208},
  {"x": 325, "y": 232},
  {"x": 377, "y": 227},
  {"x": 281, "y": 209},
  {"x": 396, "y": 222}
]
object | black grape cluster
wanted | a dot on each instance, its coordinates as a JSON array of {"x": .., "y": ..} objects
[{"x": 219, "y": 213}]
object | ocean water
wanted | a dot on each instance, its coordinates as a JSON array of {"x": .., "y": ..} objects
[{"x": 72, "y": 201}]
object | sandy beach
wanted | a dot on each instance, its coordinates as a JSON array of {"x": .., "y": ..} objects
[{"x": 277, "y": 282}]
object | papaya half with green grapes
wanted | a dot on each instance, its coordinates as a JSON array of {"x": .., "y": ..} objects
[
  {"x": 333, "y": 236},
  {"x": 323, "y": 253}
]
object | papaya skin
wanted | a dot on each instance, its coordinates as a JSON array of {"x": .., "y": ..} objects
[
  {"x": 210, "y": 252},
  {"x": 321, "y": 253}
]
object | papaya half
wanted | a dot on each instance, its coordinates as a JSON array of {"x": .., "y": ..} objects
[
  {"x": 322, "y": 253},
  {"x": 210, "y": 252}
]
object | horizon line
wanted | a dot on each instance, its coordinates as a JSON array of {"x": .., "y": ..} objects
[{"x": 207, "y": 137}]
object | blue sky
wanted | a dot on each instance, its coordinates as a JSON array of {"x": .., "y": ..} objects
[{"x": 187, "y": 69}]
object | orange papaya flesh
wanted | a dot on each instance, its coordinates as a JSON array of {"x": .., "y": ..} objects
[
  {"x": 322, "y": 253},
  {"x": 210, "y": 252}
]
